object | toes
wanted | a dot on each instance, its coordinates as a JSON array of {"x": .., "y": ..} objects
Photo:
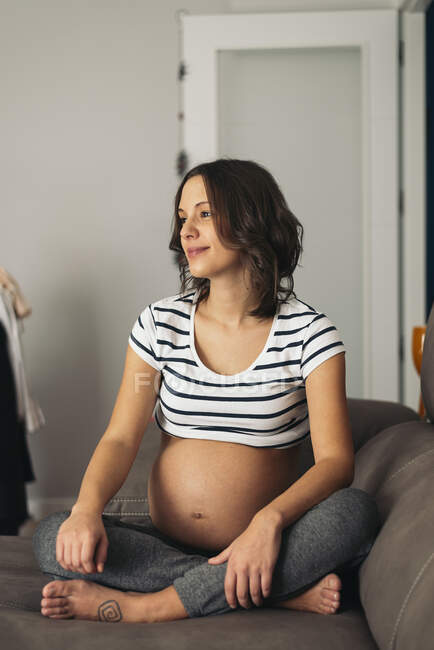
[
  {"x": 50, "y": 611},
  {"x": 54, "y": 588},
  {"x": 330, "y": 597},
  {"x": 54, "y": 602},
  {"x": 50, "y": 615},
  {"x": 329, "y": 608},
  {"x": 330, "y": 604},
  {"x": 334, "y": 582},
  {"x": 54, "y": 607},
  {"x": 61, "y": 587},
  {"x": 50, "y": 585}
]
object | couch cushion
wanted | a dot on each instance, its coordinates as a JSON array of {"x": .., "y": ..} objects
[
  {"x": 269, "y": 629},
  {"x": 397, "y": 577}
]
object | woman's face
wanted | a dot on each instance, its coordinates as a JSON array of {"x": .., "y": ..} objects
[{"x": 198, "y": 231}]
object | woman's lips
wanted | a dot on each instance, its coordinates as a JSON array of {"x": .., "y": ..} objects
[{"x": 197, "y": 252}]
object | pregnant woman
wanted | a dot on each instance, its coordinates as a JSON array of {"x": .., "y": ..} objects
[{"x": 240, "y": 371}]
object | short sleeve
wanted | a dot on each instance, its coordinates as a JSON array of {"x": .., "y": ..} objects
[
  {"x": 321, "y": 341},
  {"x": 143, "y": 338}
]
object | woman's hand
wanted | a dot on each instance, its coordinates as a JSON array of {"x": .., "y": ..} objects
[
  {"x": 251, "y": 557},
  {"x": 78, "y": 537}
]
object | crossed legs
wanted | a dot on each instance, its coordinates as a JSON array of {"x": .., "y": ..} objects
[{"x": 148, "y": 577}]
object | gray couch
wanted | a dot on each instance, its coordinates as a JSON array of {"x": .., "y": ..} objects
[{"x": 391, "y": 605}]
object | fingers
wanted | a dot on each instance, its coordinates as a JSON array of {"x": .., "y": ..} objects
[
  {"x": 230, "y": 588},
  {"x": 87, "y": 564},
  {"x": 255, "y": 589},
  {"x": 237, "y": 589},
  {"x": 101, "y": 554},
  {"x": 69, "y": 556},
  {"x": 245, "y": 590},
  {"x": 60, "y": 552},
  {"x": 82, "y": 556},
  {"x": 266, "y": 581},
  {"x": 77, "y": 539},
  {"x": 76, "y": 556}
]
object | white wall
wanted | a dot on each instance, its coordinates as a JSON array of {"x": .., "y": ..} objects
[{"x": 89, "y": 136}]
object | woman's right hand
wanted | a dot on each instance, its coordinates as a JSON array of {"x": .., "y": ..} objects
[{"x": 82, "y": 543}]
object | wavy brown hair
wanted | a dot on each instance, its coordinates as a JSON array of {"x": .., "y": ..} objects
[{"x": 250, "y": 215}]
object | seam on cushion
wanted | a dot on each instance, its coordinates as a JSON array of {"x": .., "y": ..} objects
[
  {"x": 425, "y": 453},
  {"x": 406, "y": 599},
  {"x": 128, "y": 499},
  {"x": 125, "y": 514}
]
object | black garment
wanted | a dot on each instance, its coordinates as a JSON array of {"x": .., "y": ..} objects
[{"x": 15, "y": 463}]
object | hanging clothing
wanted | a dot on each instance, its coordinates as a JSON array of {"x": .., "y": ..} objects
[
  {"x": 19, "y": 415},
  {"x": 28, "y": 408},
  {"x": 15, "y": 464}
]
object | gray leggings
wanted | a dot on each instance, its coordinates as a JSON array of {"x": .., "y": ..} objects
[{"x": 335, "y": 534}]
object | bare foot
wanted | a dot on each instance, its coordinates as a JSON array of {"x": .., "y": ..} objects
[
  {"x": 88, "y": 600},
  {"x": 322, "y": 598}
]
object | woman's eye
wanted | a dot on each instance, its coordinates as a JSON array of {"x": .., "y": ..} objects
[{"x": 182, "y": 219}]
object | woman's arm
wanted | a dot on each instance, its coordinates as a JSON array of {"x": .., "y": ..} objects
[
  {"x": 107, "y": 470},
  {"x": 332, "y": 444},
  {"x": 118, "y": 447}
]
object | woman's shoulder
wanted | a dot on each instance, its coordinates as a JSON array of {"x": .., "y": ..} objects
[
  {"x": 295, "y": 305},
  {"x": 178, "y": 301}
]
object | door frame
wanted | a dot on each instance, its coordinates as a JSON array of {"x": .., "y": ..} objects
[
  {"x": 376, "y": 34},
  {"x": 413, "y": 185}
]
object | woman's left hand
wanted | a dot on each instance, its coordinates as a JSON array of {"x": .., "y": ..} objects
[{"x": 251, "y": 557}]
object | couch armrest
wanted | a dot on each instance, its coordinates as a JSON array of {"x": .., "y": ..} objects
[
  {"x": 369, "y": 416},
  {"x": 397, "y": 577}
]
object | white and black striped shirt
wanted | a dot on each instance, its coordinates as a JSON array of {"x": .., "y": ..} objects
[{"x": 263, "y": 406}]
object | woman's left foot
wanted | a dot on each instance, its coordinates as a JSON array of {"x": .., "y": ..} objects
[
  {"x": 322, "y": 598},
  {"x": 88, "y": 600}
]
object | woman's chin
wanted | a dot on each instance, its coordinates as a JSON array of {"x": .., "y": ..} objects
[{"x": 197, "y": 274}]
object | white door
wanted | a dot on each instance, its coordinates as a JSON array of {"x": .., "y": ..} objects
[{"x": 314, "y": 98}]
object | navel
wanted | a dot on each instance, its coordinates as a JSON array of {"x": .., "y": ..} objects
[{"x": 197, "y": 515}]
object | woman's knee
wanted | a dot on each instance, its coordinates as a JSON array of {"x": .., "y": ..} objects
[
  {"x": 360, "y": 507},
  {"x": 45, "y": 536}
]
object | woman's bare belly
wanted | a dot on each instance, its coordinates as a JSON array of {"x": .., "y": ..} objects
[{"x": 204, "y": 493}]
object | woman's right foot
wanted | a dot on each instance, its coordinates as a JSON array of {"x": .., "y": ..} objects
[{"x": 322, "y": 598}]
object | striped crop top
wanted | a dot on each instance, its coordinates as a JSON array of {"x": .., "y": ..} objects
[{"x": 262, "y": 406}]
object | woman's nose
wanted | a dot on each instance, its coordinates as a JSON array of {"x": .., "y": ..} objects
[{"x": 189, "y": 229}]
